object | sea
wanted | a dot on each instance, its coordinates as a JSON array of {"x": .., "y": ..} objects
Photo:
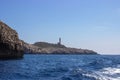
[{"x": 61, "y": 67}]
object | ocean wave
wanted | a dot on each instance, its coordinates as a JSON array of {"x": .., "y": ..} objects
[
  {"x": 62, "y": 68},
  {"x": 78, "y": 74},
  {"x": 110, "y": 73}
]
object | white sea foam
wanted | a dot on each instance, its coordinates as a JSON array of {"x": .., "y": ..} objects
[
  {"x": 106, "y": 74},
  {"x": 111, "y": 71}
]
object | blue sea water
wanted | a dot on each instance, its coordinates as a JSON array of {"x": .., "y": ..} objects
[{"x": 62, "y": 67}]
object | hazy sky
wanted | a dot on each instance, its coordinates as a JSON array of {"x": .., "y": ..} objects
[{"x": 91, "y": 24}]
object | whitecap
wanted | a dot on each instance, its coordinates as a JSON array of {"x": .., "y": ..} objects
[{"x": 110, "y": 73}]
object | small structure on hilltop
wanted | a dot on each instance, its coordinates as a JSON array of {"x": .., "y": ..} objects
[{"x": 59, "y": 43}]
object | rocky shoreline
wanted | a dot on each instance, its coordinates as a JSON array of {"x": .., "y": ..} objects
[
  {"x": 12, "y": 47},
  {"x": 50, "y": 48},
  {"x": 60, "y": 49}
]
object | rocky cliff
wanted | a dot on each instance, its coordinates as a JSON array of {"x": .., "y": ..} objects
[
  {"x": 67, "y": 51},
  {"x": 49, "y": 48},
  {"x": 29, "y": 48},
  {"x": 10, "y": 45}
]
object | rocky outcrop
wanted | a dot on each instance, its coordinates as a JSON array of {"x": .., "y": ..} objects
[
  {"x": 29, "y": 48},
  {"x": 49, "y": 48},
  {"x": 67, "y": 51},
  {"x": 48, "y": 45},
  {"x": 10, "y": 45}
]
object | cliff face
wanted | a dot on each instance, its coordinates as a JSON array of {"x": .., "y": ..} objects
[{"x": 10, "y": 45}]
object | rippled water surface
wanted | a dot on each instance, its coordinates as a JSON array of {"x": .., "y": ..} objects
[{"x": 62, "y": 67}]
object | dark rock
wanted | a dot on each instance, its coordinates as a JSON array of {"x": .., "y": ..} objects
[{"x": 10, "y": 45}]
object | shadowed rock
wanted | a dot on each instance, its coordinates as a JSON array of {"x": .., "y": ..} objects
[{"x": 10, "y": 45}]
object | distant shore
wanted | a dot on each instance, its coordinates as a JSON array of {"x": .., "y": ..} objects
[{"x": 12, "y": 47}]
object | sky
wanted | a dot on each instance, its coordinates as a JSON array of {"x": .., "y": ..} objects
[{"x": 86, "y": 24}]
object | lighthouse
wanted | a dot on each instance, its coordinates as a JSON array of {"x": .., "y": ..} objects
[{"x": 59, "y": 43}]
